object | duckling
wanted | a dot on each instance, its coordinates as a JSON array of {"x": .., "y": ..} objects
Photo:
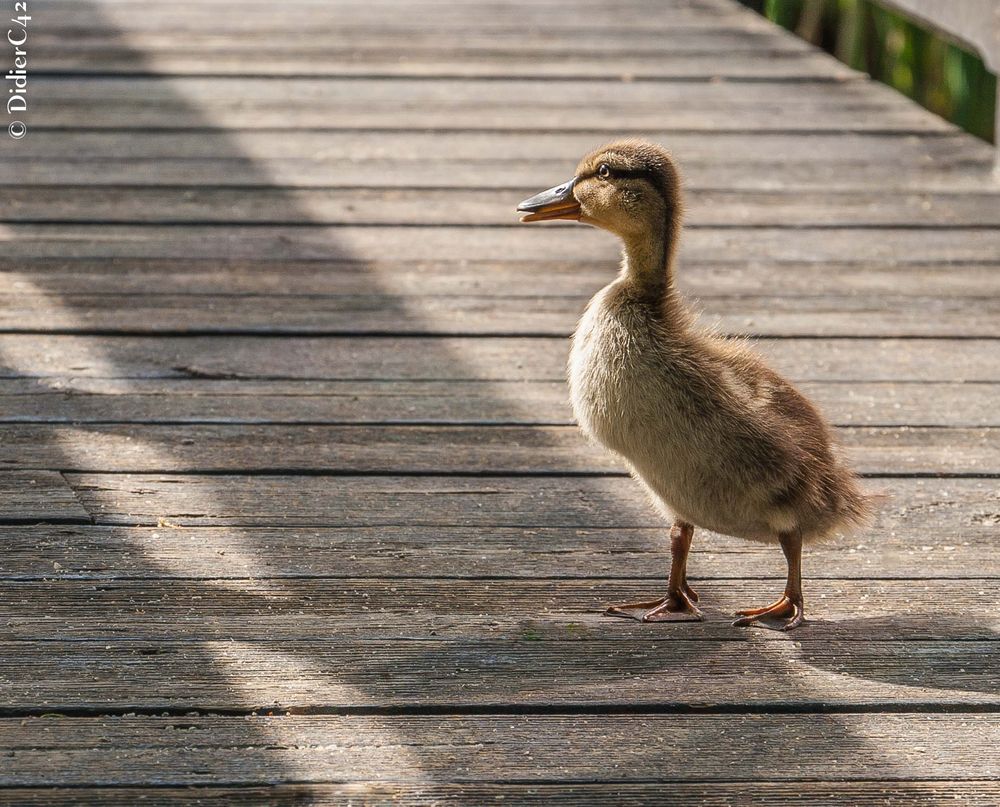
[{"x": 717, "y": 438}]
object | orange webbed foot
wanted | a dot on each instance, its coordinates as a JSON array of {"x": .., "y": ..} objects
[
  {"x": 783, "y": 615},
  {"x": 678, "y": 607}
]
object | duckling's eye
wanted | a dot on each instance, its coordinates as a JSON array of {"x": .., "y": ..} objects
[{"x": 603, "y": 171}]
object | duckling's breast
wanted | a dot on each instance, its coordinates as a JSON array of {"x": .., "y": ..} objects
[{"x": 615, "y": 372}]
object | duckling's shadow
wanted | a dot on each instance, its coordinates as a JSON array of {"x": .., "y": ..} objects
[{"x": 943, "y": 651}]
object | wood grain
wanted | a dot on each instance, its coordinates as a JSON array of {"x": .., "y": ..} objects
[
  {"x": 500, "y": 156},
  {"x": 608, "y": 106},
  {"x": 408, "y": 206},
  {"x": 504, "y": 184},
  {"x": 523, "y": 244},
  {"x": 912, "y": 793},
  {"x": 488, "y": 673},
  {"x": 543, "y": 20},
  {"x": 488, "y": 60},
  {"x": 38, "y": 496},
  {"x": 366, "y": 43},
  {"x": 485, "y": 449},
  {"x": 585, "y": 502},
  {"x": 929, "y": 543},
  {"x": 64, "y": 278},
  {"x": 198, "y": 750},
  {"x": 360, "y": 358},
  {"x": 234, "y": 149},
  {"x": 504, "y": 314},
  {"x": 396, "y": 609},
  {"x": 246, "y": 401}
]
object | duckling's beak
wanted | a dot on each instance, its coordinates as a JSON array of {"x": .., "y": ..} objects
[{"x": 555, "y": 203}]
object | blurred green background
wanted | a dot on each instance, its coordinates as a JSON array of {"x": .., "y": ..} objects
[{"x": 940, "y": 76}]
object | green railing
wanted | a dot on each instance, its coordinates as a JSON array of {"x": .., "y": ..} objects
[{"x": 893, "y": 49}]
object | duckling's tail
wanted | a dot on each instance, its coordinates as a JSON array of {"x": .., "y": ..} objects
[{"x": 856, "y": 508}]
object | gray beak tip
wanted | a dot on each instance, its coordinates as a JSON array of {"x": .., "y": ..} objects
[{"x": 560, "y": 193}]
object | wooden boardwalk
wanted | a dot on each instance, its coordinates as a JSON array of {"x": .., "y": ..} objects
[{"x": 294, "y": 509}]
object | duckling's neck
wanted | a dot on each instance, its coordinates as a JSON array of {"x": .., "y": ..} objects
[{"x": 648, "y": 264}]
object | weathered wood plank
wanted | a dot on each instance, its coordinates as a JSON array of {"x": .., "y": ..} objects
[
  {"x": 231, "y": 20},
  {"x": 488, "y": 449},
  {"x": 582, "y": 502},
  {"x": 363, "y": 38},
  {"x": 320, "y": 242},
  {"x": 496, "y": 152},
  {"x": 507, "y": 180},
  {"x": 927, "y": 543},
  {"x": 501, "y": 155},
  {"x": 514, "y": 104},
  {"x": 525, "y": 610},
  {"x": 508, "y": 313},
  {"x": 38, "y": 496},
  {"x": 764, "y": 161},
  {"x": 189, "y": 17},
  {"x": 759, "y": 793},
  {"x": 242, "y": 26},
  {"x": 514, "y": 32},
  {"x": 107, "y": 56},
  {"x": 408, "y": 206},
  {"x": 486, "y": 277},
  {"x": 205, "y": 400},
  {"x": 460, "y": 8},
  {"x": 368, "y": 44},
  {"x": 454, "y": 359},
  {"x": 487, "y": 673},
  {"x": 553, "y": 748}
]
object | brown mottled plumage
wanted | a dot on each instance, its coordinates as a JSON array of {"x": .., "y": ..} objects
[{"x": 717, "y": 438}]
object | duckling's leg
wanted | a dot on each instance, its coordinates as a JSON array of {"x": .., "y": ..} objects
[
  {"x": 679, "y": 604},
  {"x": 788, "y": 612}
]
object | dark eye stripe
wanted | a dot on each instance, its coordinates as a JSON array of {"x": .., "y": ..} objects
[
  {"x": 623, "y": 173},
  {"x": 635, "y": 173},
  {"x": 638, "y": 173}
]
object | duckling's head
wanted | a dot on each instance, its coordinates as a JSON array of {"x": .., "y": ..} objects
[{"x": 629, "y": 187}]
